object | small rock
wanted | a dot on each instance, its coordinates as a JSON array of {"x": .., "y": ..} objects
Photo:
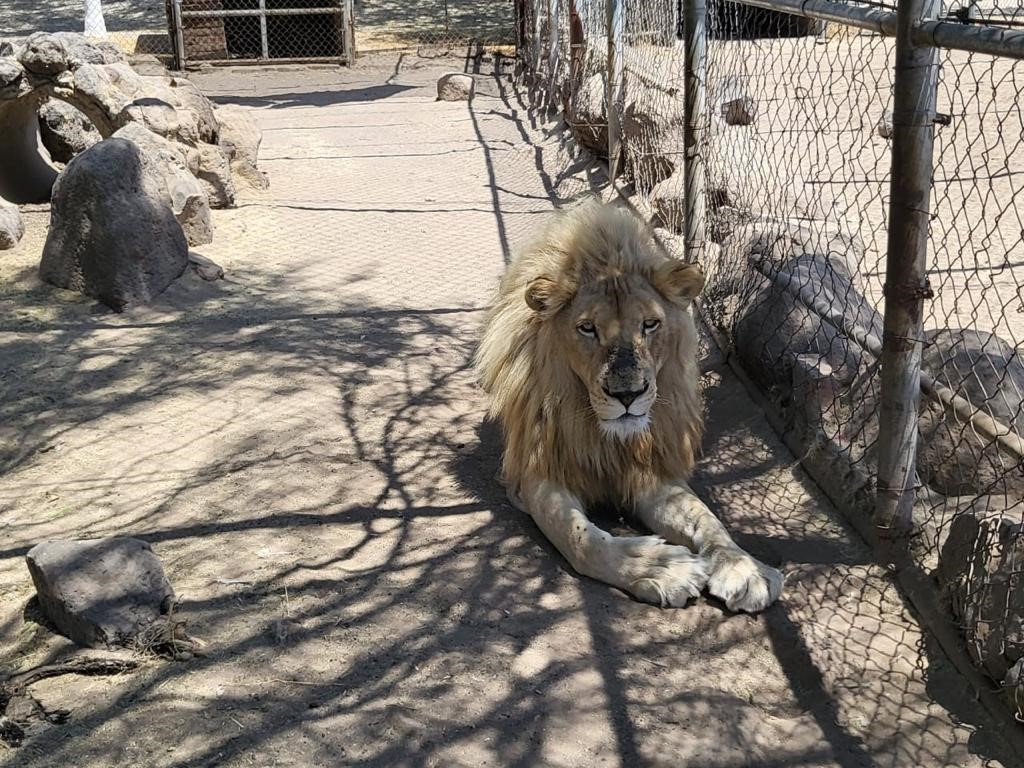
[
  {"x": 884, "y": 125},
  {"x": 112, "y": 235},
  {"x": 667, "y": 200},
  {"x": 12, "y": 226},
  {"x": 101, "y": 592},
  {"x": 156, "y": 114},
  {"x": 455, "y": 86},
  {"x": 10, "y": 72},
  {"x": 65, "y": 131},
  {"x": 739, "y": 111},
  {"x": 205, "y": 268}
]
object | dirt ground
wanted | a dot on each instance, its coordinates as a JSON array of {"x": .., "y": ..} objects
[{"x": 304, "y": 445}]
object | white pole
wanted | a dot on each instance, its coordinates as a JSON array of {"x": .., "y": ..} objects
[{"x": 94, "y": 24}]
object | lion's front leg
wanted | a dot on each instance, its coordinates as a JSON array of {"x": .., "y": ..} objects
[
  {"x": 644, "y": 566},
  {"x": 741, "y": 581}
]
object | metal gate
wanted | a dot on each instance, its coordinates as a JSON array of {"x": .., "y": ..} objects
[{"x": 252, "y": 31}]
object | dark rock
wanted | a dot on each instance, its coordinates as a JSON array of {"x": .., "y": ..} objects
[
  {"x": 979, "y": 568},
  {"x": 954, "y": 458},
  {"x": 102, "y": 592},
  {"x": 112, "y": 236},
  {"x": 65, "y": 131}
]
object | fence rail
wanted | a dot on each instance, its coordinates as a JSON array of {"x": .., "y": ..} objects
[{"x": 822, "y": 160}]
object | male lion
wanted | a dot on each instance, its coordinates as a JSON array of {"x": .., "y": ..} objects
[{"x": 590, "y": 359}]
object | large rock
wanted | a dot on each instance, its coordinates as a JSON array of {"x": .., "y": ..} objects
[
  {"x": 65, "y": 131},
  {"x": 455, "y": 86},
  {"x": 166, "y": 162},
  {"x": 100, "y": 593},
  {"x": 980, "y": 569},
  {"x": 954, "y": 458},
  {"x": 240, "y": 138},
  {"x": 775, "y": 323},
  {"x": 215, "y": 176},
  {"x": 112, "y": 235},
  {"x": 12, "y": 226}
]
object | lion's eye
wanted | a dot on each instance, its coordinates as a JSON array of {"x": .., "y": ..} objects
[
  {"x": 650, "y": 326},
  {"x": 586, "y": 328}
]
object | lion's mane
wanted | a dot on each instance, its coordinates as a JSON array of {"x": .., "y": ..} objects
[{"x": 550, "y": 430}]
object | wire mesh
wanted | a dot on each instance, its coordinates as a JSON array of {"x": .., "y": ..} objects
[
  {"x": 797, "y": 143},
  {"x": 435, "y": 25}
]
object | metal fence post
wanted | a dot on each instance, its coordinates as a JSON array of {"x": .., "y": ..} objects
[
  {"x": 179, "y": 35},
  {"x": 906, "y": 281},
  {"x": 695, "y": 93},
  {"x": 614, "y": 91},
  {"x": 349, "y": 33},
  {"x": 553, "y": 43}
]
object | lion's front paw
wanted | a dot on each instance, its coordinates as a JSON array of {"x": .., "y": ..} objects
[
  {"x": 743, "y": 583},
  {"x": 664, "y": 574}
]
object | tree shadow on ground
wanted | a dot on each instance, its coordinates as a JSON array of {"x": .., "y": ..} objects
[{"x": 318, "y": 478}]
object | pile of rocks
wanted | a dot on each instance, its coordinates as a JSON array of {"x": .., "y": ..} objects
[{"x": 134, "y": 162}]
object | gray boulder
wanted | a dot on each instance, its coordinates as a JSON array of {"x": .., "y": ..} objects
[
  {"x": 979, "y": 568},
  {"x": 112, "y": 235},
  {"x": 773, "y": 326},
  {"x": 953, "y": 457},
  {"x": 43, "y": 54},
  {"x": 166, "y": 162},
  {"x": 12, "y": 226},
  {"x": 455, "y": 86},
  {"x": 65, "y": 131},
  {"x": 102, "y": 592},
  {"x": 240, "y": 139}
]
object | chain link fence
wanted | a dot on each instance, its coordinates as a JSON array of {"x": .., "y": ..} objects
[
  {"x": 241, "y": 31},
  {"x": 793, "y": 128}
]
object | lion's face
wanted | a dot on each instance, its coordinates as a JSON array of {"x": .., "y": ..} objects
[{"x": 617, "y": 331}]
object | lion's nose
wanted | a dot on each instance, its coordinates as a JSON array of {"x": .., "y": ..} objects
[{"x": 627, "y": 396}]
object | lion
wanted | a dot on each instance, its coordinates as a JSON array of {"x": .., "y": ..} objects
[{"x": 589, "y": 356}]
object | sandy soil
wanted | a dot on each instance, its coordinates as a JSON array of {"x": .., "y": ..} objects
[{"x": 304, "y": 445}]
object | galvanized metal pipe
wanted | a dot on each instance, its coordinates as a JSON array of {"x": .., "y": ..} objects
[
  {"x": 906, "y": 280},
  {"x": 695, "y": 93},
  {"x": 973, "y": 38},
  {"x": 614, "y": 91}
]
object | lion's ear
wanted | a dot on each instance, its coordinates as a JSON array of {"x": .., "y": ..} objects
[
  {"x": 544, "y": 296},
  {"x": 679, "y": 280}
]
